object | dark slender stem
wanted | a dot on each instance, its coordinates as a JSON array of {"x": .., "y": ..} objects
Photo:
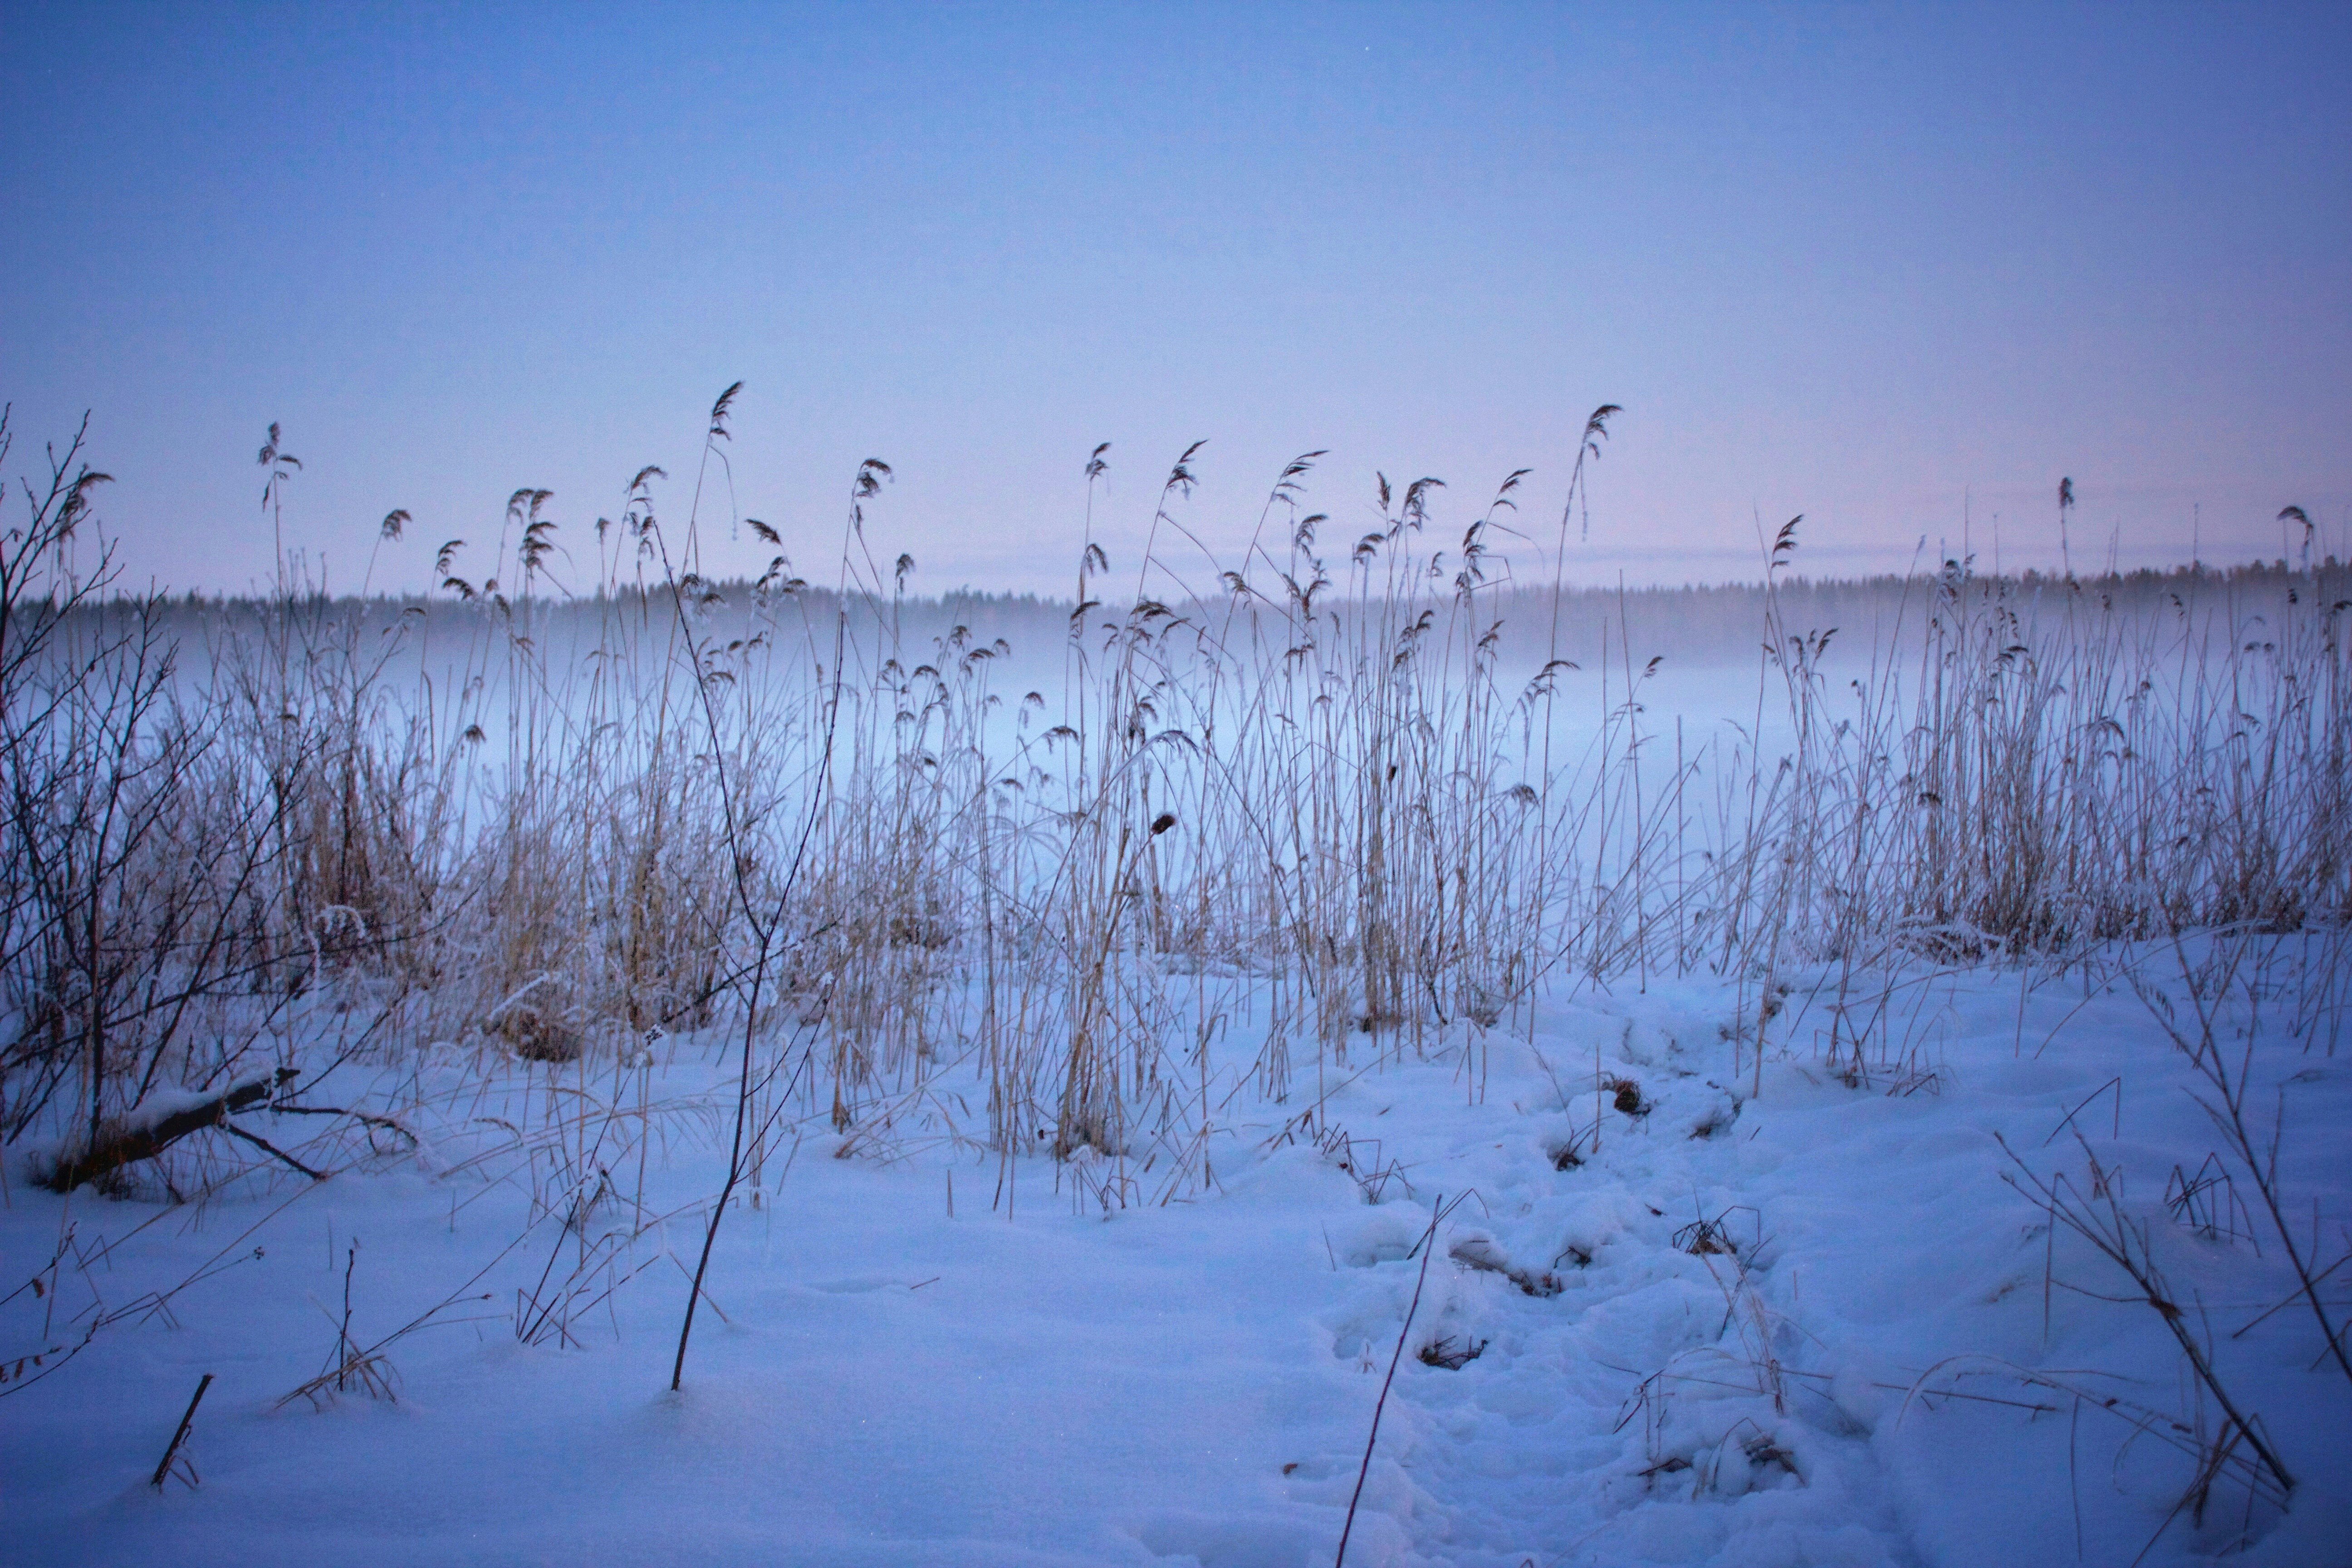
[
  {"x": 726, "y": 1193},
  {"x": 267, "y": 1147},
  {"x": 180, "y": 1436},
  {"x": 765, "y": 934},
  {"x": 1428, "y": 1246}
]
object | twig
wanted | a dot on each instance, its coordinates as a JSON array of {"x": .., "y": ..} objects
[
  {"x": 234, "y": 1131},
  {"x": 163, "y": 1469},
  {"x": 1427, "y": 1251}
]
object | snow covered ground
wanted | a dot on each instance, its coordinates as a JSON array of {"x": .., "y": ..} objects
[{"x": 1719, "y": 1316}]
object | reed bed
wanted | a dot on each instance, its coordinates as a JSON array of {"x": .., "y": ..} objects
[{"x": 1227, "y": 830}]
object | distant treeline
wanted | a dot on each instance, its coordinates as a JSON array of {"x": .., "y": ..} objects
[{"x": 1693, "y": 624}]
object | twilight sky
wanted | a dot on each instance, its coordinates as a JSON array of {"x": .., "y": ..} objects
[{"x": 1887, "y": 267}]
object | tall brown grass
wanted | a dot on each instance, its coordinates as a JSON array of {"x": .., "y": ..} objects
[{"x": 1323, "y": 800}]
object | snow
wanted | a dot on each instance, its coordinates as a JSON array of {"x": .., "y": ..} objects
[{"x": 876, "y": 1382}]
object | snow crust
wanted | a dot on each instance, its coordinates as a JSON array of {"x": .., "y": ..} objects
[{"x": 1865, "y": 1367}]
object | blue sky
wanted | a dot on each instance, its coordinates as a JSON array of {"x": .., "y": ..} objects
[{"x": 1887, "y": 267}]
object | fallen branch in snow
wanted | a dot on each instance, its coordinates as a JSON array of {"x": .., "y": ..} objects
[{"x": 129, "y": 1141}]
